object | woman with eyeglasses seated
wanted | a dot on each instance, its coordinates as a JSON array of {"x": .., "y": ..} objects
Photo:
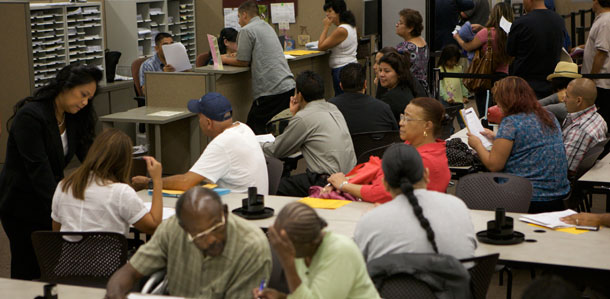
[
  {"x": 97, "y": 195},
  {"x": 417, "y": 220},
  {"x": 528, "y": 144},
  {"x": 317, "y": 263},
  {"x": 419, "y": 126}
]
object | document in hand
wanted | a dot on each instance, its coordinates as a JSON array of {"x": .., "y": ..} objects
[
  {"x": 474, "y": 125},
  {"x": 550, "y": 220},
  {"x": 175, "y": 55}
]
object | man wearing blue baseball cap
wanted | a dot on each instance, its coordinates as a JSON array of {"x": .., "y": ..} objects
[{"x": 233, "y": 159}]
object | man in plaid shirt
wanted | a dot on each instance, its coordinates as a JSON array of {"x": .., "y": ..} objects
[{"x": 583, "y": 127}]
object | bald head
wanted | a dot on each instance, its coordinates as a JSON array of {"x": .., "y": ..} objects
[
  {"x": 301, "y": 222},
  {"x": 198, "y": 203},
  {"x": 585, "y": 88}
]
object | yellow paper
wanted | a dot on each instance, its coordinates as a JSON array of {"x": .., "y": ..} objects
[
  {"x": 173, "y": 192},
  {"x": 320, "y": 203},
  {"x": 210, "y": 186},
  {"x": 300, "y": 52},
  {"x": 569, "y": 230}
]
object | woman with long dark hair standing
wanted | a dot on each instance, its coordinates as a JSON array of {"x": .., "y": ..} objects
[
  {"x": 45, "y": 132},
  {"x": 343, "y": 42}
]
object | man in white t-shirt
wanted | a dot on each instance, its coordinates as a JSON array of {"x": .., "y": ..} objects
[{"x": 233, "y": 160}]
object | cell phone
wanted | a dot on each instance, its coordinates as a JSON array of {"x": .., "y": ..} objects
[{"x": 591, "y": 228}]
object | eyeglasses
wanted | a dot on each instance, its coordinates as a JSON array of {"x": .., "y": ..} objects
[
  {"x": 408, "y": 119},
  {"x": 207, "y": 231}
]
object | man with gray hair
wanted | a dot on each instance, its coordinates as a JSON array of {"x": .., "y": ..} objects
[
  {"x": 206, "y": 251},
  {"x": 583, "y": 127}
]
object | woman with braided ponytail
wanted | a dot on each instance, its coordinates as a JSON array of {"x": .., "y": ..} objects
[
  {"x": 317, "y": 263},
  {"x": 429, "y": 221}
]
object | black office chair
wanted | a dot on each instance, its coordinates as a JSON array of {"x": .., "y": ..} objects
[
  {"x": 79, "y": 258},
  {"x": 491, "y": 190},
  {"x": 275, "y": 167},
  {"x": 365, "y": 156},
  {"x": 579, "y": 199},
  {"x": 405, "y": 286},
  {"x": 480, "y": 273},
  {"x": 367, "y": 141}
]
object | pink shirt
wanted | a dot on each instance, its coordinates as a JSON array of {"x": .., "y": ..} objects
[
  {"x": 482, "y": 36},
  {"x": 434, "y": 157}
]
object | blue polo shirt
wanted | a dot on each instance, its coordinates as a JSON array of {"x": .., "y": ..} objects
[{"x": 152, "y": 64}]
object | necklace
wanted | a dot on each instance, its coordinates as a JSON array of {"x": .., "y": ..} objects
[{"x": 61, "y": 123}]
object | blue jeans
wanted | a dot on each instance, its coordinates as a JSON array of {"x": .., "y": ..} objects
[{"x": 335, "y": 72}]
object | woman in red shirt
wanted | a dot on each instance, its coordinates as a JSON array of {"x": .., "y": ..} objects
[{"x": 419, "y": 126}]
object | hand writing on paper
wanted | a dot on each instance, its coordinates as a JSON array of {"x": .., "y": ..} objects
[
  {"x": 584, "y": 219},
  {"x": 267, "y": 293},
  {"x": 169, "y": 68}
]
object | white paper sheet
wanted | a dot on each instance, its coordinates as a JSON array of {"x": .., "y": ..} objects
[
  {"x": 265, "y": 138},
  {"x": 148, "y": 296},
  {"x": 231, "y": 18},
  {"x": 473, "y": 123},
  {"x": 288, "y": 56},
  {"x": 175, "y": 54},
  {"x": 505, "y": 25},
  {"x": 165, "y": 113},
  {"x": 550, "y": 220},
  {"x": 167, "y": 212},
  {"x": 282, "y": 13}
]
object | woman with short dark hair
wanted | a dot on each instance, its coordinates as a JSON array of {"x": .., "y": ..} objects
[
  {"x": 46, "y": 131},
  {"x": 409, "y": 27}
]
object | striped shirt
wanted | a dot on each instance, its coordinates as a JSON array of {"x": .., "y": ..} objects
[
  {"x": 581, "y": 131},
  {"x": 245, "y": 260},
  {"x": 152, "y": 64}
]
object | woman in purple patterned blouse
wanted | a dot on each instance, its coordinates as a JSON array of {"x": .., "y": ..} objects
[{"x": 409, "y": 27}]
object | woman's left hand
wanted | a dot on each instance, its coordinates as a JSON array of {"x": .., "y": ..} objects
[
  {"x": 327, "y": 22},
  {"x": 474, "y": 141},
  {"x": 336, "y": 179},
  {"x": 282, "y": 244}
]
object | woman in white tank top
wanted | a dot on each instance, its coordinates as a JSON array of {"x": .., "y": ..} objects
[{"x": 343, "y": 42}]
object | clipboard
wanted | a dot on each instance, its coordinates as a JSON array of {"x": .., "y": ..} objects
[
  {"x": 474, "y": 125},
  {"x": 214, "y": 50}
]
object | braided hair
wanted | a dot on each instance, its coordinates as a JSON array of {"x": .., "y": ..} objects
[
  {"x": 402, "y": 167},
  {"x": 301, "y": 222}
]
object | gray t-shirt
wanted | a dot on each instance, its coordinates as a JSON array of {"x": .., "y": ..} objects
[
  {"x": 258, "y": 44},
  {"x": 393, "y": 228}
]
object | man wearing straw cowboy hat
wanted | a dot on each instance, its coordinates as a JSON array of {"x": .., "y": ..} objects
[{"x": 563, "y": 74}]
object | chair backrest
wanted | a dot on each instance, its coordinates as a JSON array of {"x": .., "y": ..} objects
[
  {"x": 135, "y": 74},
  {"x": 590, "y": 157},
  {"x": 370, "y": 140},
  {"x": 274, "y": 173},
  {"x": 365, "y": 156},
  {"x": 202, "y": 59},
  {"x": 491, "y": 190},
  {"x": 405, "y": 286},
  {"x": 480, "y": 274},
  {"x": 80, "y": 258}
]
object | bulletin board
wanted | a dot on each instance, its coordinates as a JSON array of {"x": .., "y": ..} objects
[{"x": 237, "y": 3}]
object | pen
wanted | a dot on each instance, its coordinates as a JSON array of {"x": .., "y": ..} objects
[{"x": 262, "y": 286}]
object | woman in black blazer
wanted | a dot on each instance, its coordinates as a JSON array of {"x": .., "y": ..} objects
[
  {"x": 46, "y": 131},
  {"x": 394, "y": 75}
]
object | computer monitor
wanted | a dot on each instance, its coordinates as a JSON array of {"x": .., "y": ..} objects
[{"x": 371, "y": 17}]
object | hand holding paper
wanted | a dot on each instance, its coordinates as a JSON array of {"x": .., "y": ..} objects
[
  {"x": 474, "y": 126},
  {"x": 175, "y": 55}
]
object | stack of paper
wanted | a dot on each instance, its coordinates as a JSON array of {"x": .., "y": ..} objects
[
  {"x": 321, "y": 203},
  {"x": 550, "y": 220}
]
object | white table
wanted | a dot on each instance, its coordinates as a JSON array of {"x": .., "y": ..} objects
[
  {"x": 15, "y": 288},
  {"x": 342, "y": 220},
  {"x": 146, "y": 115},
  {"x": 589, "y": 250},
  {"x": 598, "y": 175}
]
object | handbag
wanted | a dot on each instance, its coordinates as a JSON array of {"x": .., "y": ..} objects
[
  {"x": 365, "y": 173},
  {"x": 112, "y": 59},
  {"x": 316, "y": 192},
  {"x": 481, "y": 64},
  {"x": 494, "y": 115}
]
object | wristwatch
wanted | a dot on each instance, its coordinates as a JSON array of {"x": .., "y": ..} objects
[{"x": 343, "y": 184}]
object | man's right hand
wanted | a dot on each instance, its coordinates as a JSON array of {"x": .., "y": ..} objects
[
  {"x": 169, "y": 68},
  {"x": 139, "y": 182}
]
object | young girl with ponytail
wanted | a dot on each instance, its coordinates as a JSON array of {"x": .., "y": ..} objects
[{"x": 416, "y": 220}]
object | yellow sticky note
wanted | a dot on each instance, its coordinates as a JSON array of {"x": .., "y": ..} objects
[
  {"x": 320, "y": 203},
  {"x": 172, "y": 192},
  {"x": 569, "y": 230},
  {"x": 210, "y": 186},
  {"x": 300, "y": 52}
]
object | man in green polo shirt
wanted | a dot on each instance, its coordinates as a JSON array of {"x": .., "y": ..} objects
[{"x": 207, "y": 252}]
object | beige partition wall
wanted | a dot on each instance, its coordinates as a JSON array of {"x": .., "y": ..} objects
[
  {"x": 210, "y": 19},
  {"x": 16, "y": 73}
]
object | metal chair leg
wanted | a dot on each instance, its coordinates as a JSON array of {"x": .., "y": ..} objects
[{"x": 509, "y": 283}]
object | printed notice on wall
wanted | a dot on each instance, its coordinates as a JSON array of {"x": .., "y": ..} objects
[
  {"x": 231, "y": 18},
  {"x": 282, "y": 13}
]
